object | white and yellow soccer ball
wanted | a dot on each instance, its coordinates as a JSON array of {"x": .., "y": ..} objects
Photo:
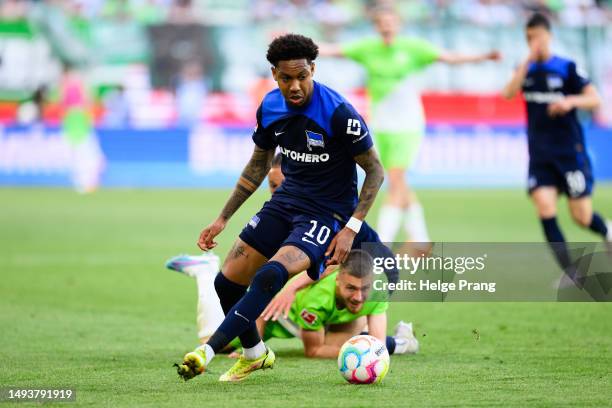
[{"x": 363, "y": 359}]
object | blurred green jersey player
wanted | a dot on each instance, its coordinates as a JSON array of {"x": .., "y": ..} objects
[{"x": 397, "y": 116}]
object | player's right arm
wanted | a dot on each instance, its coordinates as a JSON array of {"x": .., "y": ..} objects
[
  {"x": 251, "y": 178},
  {"x": 315, "y": 347},
  {"x": 281, "y": 304},
  {"x": 515, "y": 85}
]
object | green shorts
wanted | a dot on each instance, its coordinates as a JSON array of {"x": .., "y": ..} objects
[
  {"x": 398, "y": 149},
  {"x": 77, "y": 125},
  {"x": 272, "y": 330}
]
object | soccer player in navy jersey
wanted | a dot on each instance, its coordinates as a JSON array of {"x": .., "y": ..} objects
[
  {"x": 554, "y": 89},
  {"x": 314, "y": 213}
]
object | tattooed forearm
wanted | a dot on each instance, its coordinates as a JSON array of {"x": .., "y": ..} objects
[
  {"x": 253, "y": 174},
  {"x": 374, "y": 178}
]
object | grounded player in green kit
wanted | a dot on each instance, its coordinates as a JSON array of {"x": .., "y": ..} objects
[{"x": 397, "y": 120}]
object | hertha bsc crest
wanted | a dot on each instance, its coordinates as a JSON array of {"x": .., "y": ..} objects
[{"x": 314, "y": 139}]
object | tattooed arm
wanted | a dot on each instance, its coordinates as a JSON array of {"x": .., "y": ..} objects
[
  {"x": 375, "y": 175},
  {"x": 343, "y": 241},
  {"x": 252, "y": 176}
]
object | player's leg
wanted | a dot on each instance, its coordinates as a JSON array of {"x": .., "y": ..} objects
[
  {"x": 545, "y": 182},
  {"x": 401, "y": 203},
  {"x": 579, "y": 187},
  {"x": 414, "y": 216},
  {"x": 258, "y": 241},
  {"x": 390, "y": 215},
  {"x": 304, "y": 249},
  {"x": 268, "y": 281},
  {"x": 545, "y": 201},
  {"x": 203, "y": 268},
  {"x": 230, "y": 284}
]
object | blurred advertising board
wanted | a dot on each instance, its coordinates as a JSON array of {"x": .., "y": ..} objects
[{"x": 212, "y": 157}]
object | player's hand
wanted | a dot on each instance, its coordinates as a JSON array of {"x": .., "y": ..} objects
[
  {"x": 560, "y": 108},
  {"x": 494, "y": 55},
  {"x": 280, "y": 305},
  {"x": 340, "y": 246},
  {"x": 535, "y": 52},
  {"x": 329, "y": 270},
  {"x": 207, "y": 236}
]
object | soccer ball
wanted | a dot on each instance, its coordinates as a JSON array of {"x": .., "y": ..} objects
[{"x": 363, "y": 359}]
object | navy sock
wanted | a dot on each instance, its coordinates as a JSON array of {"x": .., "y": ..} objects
[
  {"x": 598, "y": 225},
  {"x": 557, "y": 242},
  {"x": 268, "y": 281},
  {"x": 229, "y": 294},
  {"x": 390, "y": 342}
]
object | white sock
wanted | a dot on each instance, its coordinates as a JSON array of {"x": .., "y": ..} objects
[
  {"x": 414, "y": 223},
  {"x": 389, "y": 221},
  {"x": 253, "y": 353},
  {"x": 210, "y": 314},
  {"x": 208, "y": 352}
]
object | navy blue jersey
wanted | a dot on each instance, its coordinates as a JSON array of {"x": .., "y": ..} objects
[
  {"x": 545, "y": 83},
  {"x": 317, "y": 143}
]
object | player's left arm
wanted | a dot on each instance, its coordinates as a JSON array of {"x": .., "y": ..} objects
[
  {"x": 375, "y": 175},
  {"x": 377, "y": 326},
  {"x": 580, "y": 93},
  {"x": 588, "y": 99},
  {"x": 455, "y": 58},
  {"x": 351, "y": 129}
]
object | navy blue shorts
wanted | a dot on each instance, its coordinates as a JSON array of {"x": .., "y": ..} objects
[
  {"x": 571, "y": 176},
  {"x": 278, "y": 224},
  {"x": 374, "y": 247}
]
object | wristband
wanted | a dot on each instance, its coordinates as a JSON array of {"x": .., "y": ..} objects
[{"x": 354, "y": 224}]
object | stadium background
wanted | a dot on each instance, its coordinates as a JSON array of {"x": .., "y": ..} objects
[{"x": 175, "y": 84}]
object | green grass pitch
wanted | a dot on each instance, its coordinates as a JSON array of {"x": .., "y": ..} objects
[{"x": 85, "y": 302}]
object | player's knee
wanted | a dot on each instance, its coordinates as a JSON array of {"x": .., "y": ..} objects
[
  {"x": 223, "y": 286},
  {"x": 581, "y": 217},
  {"x": 271, "y": 277},
  {"x": 219, "y": 282},
  {"x": 546, "y": 209}
]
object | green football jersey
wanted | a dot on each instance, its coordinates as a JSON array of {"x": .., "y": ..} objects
[
  {"x": 388, "y": 65},
  {"x": 315, "y": 306}
]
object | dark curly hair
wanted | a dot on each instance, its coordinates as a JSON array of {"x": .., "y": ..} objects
[
  {"x": 538, "y": 20},
  {"x": 290, "y": 47}
]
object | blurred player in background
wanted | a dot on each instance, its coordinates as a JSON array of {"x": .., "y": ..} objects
[
  {"x": 398, "y": 119},
  {"x": 324, "y": 314},
  {"x": 554, "y": 89},
  {"x": 78, "y": 131},
  {"x": 315, "y": 213}
]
